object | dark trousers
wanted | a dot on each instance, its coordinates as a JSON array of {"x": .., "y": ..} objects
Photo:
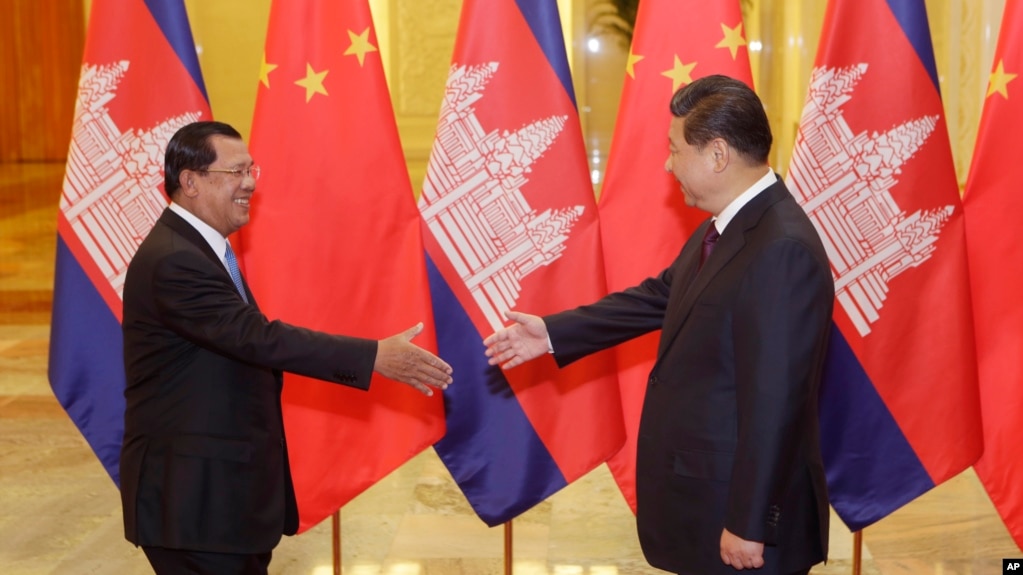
[{"x": 183, "y": 562}]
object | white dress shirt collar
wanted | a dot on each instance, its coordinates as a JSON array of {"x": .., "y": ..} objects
[
  {"x": 212, "y": 236},
  {"x": 726, "y": 215}
]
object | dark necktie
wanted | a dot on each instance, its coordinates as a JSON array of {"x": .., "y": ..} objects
[
  {"x": 236, "y": 274},
  {"x": 709, "y": 240}
]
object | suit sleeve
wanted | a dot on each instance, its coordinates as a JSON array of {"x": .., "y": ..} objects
[
  {"x": 194, "y": 300},
  {"x": 611, "y": 320},
  {"x": 780, "y": 325}
]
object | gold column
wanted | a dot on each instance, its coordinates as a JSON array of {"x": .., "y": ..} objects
[
  {"x": 229, "y": 37},
  {"x": 783, "y": 37}
]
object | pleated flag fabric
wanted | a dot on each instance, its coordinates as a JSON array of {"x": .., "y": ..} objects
[
  {"x": 512, "y": 224},
  {"x": 136, "y": 90}
]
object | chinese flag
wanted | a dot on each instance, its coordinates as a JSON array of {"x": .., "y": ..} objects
[
  {"x": 512, "y": 224},
  {"x": 636, "y": 189},
  {"x": 993, "y": 206},
  {"x": 335, "y": 244},
  {"x": 872, "y": 167},
  {"x": 135, "y": 91}
]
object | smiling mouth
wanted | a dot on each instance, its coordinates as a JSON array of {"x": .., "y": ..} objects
[{"x": 244, "y": 202}]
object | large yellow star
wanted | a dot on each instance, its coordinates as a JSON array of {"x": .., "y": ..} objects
[
  {"x": 630, "y": 65},
  {"x": 313, "y": 82},
  {"x": 679, "y": 74},
  {"x": 999, "y": 81},
  {"x": 733, "y": 38},
  {"x": 360, "y": 45},
  {"x": 264, "y": 71}
]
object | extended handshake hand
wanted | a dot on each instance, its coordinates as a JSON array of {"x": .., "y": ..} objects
[
  {"x": 401, "y": 360},
  {"x": 518, "y": 343}
]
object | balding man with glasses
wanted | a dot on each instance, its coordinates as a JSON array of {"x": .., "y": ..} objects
[{"x": 205, "y": 481}]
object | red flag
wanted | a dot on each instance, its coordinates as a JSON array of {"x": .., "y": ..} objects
[
  {"x": 873, "y": 169},
  {"x": 513, "y": 225},
  {"x": 995, "y": 247},
  {"x": 135, "y": 91},
  {"x": 335, "y": 243},
  {"x": 637, "y": 188}
]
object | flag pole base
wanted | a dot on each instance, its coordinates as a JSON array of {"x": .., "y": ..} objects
[
  {"x": 507, "y": 548},
  {"x": 335, "y": 536},
  {"x": 857, "y": 552}
]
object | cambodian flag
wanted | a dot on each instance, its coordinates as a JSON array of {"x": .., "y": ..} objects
[
  {"x": 140, "y": 82},
  {"x": 873, "y": 168},
  {"x": 512, "y": 224}
]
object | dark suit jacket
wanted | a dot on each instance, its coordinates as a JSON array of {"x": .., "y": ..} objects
[
  {"x": 204, "y": 464},
  {"x": 729, "y": 433}
]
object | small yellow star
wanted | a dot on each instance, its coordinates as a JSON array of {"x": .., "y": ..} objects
[
  {"x": 264, "y": 71},
  {"x": 680, "y": 74},
  {"x": 999, "y": 81},
  {"x": 313, "y": 82},
  {"x": 360, "y": 45},
  {"x": 733, "y": 39},
  {"x": 630, "y": 65}
]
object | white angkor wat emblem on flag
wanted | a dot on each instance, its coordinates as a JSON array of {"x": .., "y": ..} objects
[
  {"x": 472, "y": 199},
  {"x": 111, "y": 194},
  {"x": 844, "y": 181}
]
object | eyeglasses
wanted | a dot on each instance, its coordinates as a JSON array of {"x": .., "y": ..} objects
[{"x": 251, "y": 171}]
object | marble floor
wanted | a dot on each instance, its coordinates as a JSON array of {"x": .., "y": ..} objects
[{"x": 60, "y": 512}]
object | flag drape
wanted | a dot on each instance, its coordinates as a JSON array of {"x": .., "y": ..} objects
[
  {"x": 335, "y": 244},
  {"x": 992, "y": 205},
  {"x": 637, "y": 188},
  {"x": 135, "y": 91},
  {"x": 872, "y": 166},
  {"x": 512, "y": 224}
]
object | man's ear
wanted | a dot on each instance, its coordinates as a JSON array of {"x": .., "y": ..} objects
[
  {"x": 187, "y": 180},
  {"x": 721, "y": 154}
]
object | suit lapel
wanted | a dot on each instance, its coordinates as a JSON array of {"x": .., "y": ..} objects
[
  {"x": 728, "y": 246},
  {"x": 185, "y": 230}
]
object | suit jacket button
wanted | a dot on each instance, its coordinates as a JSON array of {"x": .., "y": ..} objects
[{"x": 653, "y": 380}]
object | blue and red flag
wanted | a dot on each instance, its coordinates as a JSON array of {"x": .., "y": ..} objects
[
  {"x": 993, "y": 207},
  {"x": 135, "y": 91},
  {"x": 873, "y": 169},
  {"x": 334, "y": 218},
  {"x": 637, "y": 189},
  {"x": 512, "y": 224}
]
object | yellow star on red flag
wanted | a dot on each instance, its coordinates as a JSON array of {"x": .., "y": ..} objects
[
  {"x": 313, "y": 82},
  {"x": 360, "y": 45},
  {"x": 999, "y": 81},
  {"x": 264, "y": 71},
  {"x": 679, "y": 73},
  {"x": 733, "y": 38},
  {"x": 631, "y": 63}
]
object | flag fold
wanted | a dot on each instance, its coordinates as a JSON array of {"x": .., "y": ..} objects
[
  {"x": 134, "y": 92},
  {"x": 512, "y": 224},
  {"x": 992, "y": 205},
  {"x": 872, "y": 167},
  {"x": 335, "y": 244},
  {"x": 636, "y": 187}
]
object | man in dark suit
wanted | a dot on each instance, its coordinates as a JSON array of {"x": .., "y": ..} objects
[
  {"x": 205, "y": 481},
  {"x": 729, "y": 473}
]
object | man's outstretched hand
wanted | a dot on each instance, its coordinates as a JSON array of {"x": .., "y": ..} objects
[
  {"x": 401, "y": 360},
  {"x": 518, "y": 343}
]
